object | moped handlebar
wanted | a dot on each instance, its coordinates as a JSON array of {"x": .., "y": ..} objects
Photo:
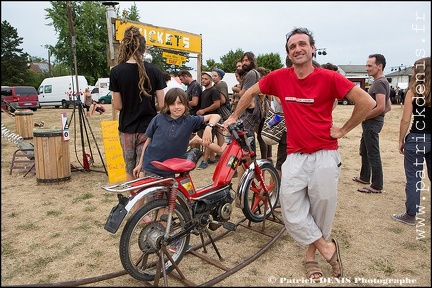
[
  {"x": 240, "y": 135},
  {"x": 233, "y": 128}
]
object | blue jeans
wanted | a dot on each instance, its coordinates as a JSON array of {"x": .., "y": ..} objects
[
  {"x": 370, "y": 154},
  {"x": 417, "y": 148}
]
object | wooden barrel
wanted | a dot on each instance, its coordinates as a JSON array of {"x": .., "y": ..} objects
[
  {"x": 52, "y": 159},
  {"x": 24, "y": 123}
]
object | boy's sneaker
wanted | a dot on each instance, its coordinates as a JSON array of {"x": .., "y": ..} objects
[
  {"x": 404, "y": 218},
  {"x": 209, "y": 161},
  {"x": 203, "y": 165}
]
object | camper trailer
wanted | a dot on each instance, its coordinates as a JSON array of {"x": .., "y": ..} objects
[{"x": 61, "y": 91}]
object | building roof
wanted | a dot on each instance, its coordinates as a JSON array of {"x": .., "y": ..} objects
[
  {"x": 361, "y": 69},
  {"x": 353, "y": 69},
  {"x": 40, "y": 67},
  {"x": 403, "y": 72}
]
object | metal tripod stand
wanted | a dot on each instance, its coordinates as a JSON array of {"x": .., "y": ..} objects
[
  {"x": 84, "y": 128},
  {"x": 83, "y": 121}
]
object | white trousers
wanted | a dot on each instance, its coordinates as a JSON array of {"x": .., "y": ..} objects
[{"x": 309, "y": 187}]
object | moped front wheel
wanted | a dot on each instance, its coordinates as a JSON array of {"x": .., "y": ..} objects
[
  {"x": 253, "y": 195},
  {"x": 141, "y": 240}
]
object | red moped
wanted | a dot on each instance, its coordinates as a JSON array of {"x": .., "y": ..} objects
[{"x": 178, "y": 209}]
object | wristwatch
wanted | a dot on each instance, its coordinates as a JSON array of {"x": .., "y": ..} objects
[{"x": 211, "y": 125}]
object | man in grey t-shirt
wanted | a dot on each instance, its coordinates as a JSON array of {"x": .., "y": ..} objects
[{"x": 371, "y": 165}]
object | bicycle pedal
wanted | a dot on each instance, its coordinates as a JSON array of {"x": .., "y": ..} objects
[{"x": 229, "y": 226}]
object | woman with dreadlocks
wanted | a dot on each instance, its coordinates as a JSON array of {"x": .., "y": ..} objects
[{"x": 137, "y": 92}]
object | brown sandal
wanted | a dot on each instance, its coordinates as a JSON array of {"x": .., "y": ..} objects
[
  {"x": 336, "y": 261},
  {"x": 312, "y": 268},
  {"x": 357, "y": 179}
]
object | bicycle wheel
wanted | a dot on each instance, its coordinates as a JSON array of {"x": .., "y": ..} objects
[
  {"x": 141, "y": 239},
  {"x": 253, "y": 193}
]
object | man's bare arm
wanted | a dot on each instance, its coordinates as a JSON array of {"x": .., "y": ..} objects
[
  {"x": 379, "y": 108},
  {"x": 244, "y": 103},
  {"x": 160, "y": 97},
  {"x": 363, "y": 104}
]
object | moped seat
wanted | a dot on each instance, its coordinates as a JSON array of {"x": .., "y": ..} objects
[{"x": 176, "y": 165}]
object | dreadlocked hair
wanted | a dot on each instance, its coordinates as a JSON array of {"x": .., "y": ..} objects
[{"x": 134, "y": 45}]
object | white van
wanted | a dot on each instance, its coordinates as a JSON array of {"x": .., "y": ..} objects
[
  {"x": 61, "y": 91},
  {"x": 101, "y": 88}
]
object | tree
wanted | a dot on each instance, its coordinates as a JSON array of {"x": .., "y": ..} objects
[
  {"x": 89, "y": 22},
  {"x": 35, "y": 79},
  {"x": 270, "y": 61},
  {"x": 90, "y": 33},
  {"x": 14, "y": 62},
  {"x": 131, "y": 14},
  {"x": 230, "y": 59},
  {"x": 210, "y": 64}
]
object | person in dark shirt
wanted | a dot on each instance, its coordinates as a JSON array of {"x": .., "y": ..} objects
[
  {"x": 371, "y": 170},
  {"x": 210, "y": 103},
  {"x": 137, "y": 87},
  {"x": 194, "y": 90},
  {"x": 169, "y": 133},
  {"x": 416, "y": 145}
]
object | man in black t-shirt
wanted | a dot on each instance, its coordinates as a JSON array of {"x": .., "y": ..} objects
[
  {"x": 210, "y": 103},
  {"x": 193, "y": 91}
]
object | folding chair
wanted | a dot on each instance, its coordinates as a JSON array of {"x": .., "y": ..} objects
[{"x": 23, "y": 157}]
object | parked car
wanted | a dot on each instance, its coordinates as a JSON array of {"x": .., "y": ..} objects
[
  {"x": 19, "y": 97},
  {"x": 106, "y": 99}
]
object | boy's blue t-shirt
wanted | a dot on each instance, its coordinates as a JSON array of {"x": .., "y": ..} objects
[{"x": 169, "y": 139}]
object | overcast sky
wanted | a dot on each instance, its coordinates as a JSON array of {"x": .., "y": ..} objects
[{"x": 349, "y": 31}]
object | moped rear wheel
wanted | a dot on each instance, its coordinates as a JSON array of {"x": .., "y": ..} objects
[
  {"x": 253, "y": 193},
  {"x": 141, "y": 239}
]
